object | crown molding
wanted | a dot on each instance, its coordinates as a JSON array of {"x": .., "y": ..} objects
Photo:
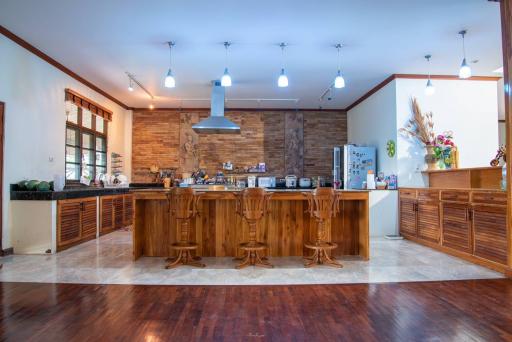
[{"x": 416, "y": 77}]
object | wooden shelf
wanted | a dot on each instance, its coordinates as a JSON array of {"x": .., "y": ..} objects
[{"x": 466, "y": 178}]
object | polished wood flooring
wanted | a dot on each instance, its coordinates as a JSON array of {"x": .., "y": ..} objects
[{"x": 451, "y": 311}]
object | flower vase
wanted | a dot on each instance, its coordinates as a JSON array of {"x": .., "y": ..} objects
[{"x": 431, "y": 159}]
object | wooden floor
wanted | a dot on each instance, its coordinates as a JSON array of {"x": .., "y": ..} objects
[{"x": 453, "y": 311}]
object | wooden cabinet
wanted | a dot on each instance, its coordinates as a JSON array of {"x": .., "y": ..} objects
[
  {"x": 490, "y": 232},
  {"x": 408, "y": 217},
  {"x": 457, "y": 226},
  {"x": 471, "y": 224},
  {"x": 116, "y": 212},
  {"x": 106, "y": 214},
  {"x": 428, "y": 224},
  {"x": 76, "y": 221},
  {"x": 128, "y": 210}
]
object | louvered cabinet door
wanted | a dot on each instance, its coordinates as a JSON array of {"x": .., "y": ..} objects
[
  {"x": 68, "y": 222},
  {"x": 490, "y": 232},
  {"x": 408, "y": 217},
  {"x": 128, "y": 210},
  {"x": 106, "y": 214},
  {"x": 457, "y": 227},
  {"x": 428, "y": 220},
  {"x": 118, "y": 211},
  {"x": 89, "y": 217}
]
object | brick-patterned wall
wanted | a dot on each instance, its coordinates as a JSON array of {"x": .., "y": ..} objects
[{"x": 165, "y": 138}]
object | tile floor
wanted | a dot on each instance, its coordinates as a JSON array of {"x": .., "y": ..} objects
[{"x": 108, "y": 261}]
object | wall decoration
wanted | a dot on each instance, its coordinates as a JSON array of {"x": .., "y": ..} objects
[{"x": 391, "y": 148}]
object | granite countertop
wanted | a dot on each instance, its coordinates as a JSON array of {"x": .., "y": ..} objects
[
  {"x": 221, "y": 188},
  {"x": 64, "y": 194}
]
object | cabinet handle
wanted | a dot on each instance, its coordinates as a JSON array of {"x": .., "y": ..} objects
[{"x": 470, "y": 214}]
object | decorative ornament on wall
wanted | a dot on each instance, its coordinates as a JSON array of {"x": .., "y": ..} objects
[{"x": 391, "y": 148}]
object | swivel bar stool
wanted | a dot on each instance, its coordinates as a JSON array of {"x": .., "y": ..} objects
[
  {"x": 252, "y": 205},
  {"x": 323, "y": 204},
  {"x": 183, "y": 205}
]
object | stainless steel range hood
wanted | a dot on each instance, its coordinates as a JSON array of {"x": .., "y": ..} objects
[{"x": 217, "y": 123}]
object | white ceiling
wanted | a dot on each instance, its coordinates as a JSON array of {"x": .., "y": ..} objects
[{"x": 100, "y": 40}]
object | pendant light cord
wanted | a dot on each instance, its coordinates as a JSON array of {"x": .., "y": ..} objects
[
  {"x": 338, "y": 47},
  {"x": 226, "y": 46},
  {"x": 171, "y": 44},
  {"x": 282, "y": 45}
]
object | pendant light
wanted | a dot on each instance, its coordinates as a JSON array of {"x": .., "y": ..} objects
[
  {"x": 170, "y": 82},
  {"x": 225, "y": 81},
  {"x": 429, "y": 88},
  {"x": 339, "y": 81},
  {"x": 130, "y": 84},
  {"x": 465, "y": 70},
  {"x": 282, "y": 81}
]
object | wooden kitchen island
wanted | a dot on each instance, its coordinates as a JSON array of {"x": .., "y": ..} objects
[{"x": 218, "y": 229}]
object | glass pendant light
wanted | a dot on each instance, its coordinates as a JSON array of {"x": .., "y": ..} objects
[
  {"x": 465, "y": 70},
  {"x": 282, "y": 81},
  {"x": 170, "y": 82},
  {"x": 339, "y": 81},
  {"x": 429, "y": 89},
  {"x": 225, "y": 80}
]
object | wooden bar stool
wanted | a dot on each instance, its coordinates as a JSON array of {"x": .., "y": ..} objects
[
  {"x": 252, "y": 205},
  {"x": 323, "y": 205},
  {"x": 183, "y": 205}
]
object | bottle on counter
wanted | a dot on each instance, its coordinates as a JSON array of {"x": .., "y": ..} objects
[{"x": 370, "y": 180}]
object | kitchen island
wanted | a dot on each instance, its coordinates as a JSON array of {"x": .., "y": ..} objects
[{"x": 218, "y": 229}]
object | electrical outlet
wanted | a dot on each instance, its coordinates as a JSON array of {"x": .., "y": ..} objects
[{"x": 50, "y": 159}]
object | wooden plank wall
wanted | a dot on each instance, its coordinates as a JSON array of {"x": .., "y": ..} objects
[{"x": 300, "y": 142}]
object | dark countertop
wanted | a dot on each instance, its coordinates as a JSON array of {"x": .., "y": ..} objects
[{"x": 64, "y": 194}]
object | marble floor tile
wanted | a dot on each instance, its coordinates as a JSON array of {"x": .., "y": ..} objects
[{"x": 108, "y": 260}]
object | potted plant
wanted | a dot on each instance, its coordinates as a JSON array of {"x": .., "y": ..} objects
[{"x": 445, "y": 150}]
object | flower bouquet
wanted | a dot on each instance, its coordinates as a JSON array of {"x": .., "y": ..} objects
[{"x": 445, "y": 150}]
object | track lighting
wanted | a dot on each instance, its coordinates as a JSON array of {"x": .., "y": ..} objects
[
  {"x": 225, "y": 81},
  {"x": 465, "y": 70},
  {"x": 339, "y": 81},
  {"x": 282, "y": 81},
  {"x": 429, "y": 88},
  {"x": 170, "y": 82}
]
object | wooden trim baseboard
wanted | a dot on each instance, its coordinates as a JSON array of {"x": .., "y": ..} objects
[
  {"x": 23, "y": 43},
  {"x": 415, "y": 77}
]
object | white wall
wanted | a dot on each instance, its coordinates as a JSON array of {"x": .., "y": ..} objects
[
  {"x": 35, "y": 120},
  {"x": 373, "y": 122},
  {"x": 468, "y": 108}
]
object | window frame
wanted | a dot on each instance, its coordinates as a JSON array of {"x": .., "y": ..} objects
[{"x": 80, "y": 129}]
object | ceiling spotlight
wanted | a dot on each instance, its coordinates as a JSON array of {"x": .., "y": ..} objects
[
  {"x": 429, "y": 88},
  {"x": 282, "y": 81},
  {"x": 225, "y": 81},
  {"x": 151, "y": 106},
  {"x": 130, "y": 85},
  {"x": 339, "y": 81},
  {"x": 465, "y": 70},
  {"x": 170, "y": 82}
]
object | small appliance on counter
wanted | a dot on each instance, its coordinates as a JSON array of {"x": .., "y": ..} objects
[
  {"x": 291, "y": 181},
  {"x": 304, "y": 182},
  {"x": 266, "y": 182},
  {"x": 251, "y": 181}
]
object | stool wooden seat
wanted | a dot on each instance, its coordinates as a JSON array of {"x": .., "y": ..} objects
[
  {"x": 252, "y": 206},
  {"x": 183, "y": 205},
  {"x": 323, "y": 204}
]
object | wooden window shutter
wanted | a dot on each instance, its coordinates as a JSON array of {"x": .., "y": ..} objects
[{"x": 84, "y": 102}]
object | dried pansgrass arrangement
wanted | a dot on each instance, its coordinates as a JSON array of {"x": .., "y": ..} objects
[{"x": 420, "y": 126}]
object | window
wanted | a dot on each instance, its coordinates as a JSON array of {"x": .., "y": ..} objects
[{"x": 86, "y": 143}]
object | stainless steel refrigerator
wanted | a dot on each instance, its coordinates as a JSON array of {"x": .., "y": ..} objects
[{"x": 351, "y": 164}]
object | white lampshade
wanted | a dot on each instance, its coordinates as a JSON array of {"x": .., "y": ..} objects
[
  {"x": 465, "y": 70},
  {"x": 170, "y": 82},
  {"x": 225, "y": 81},
  {"x": 282, "y": 81},
  {"x": 430, "y": 89},
  {"x": 339, "y": 81}
]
